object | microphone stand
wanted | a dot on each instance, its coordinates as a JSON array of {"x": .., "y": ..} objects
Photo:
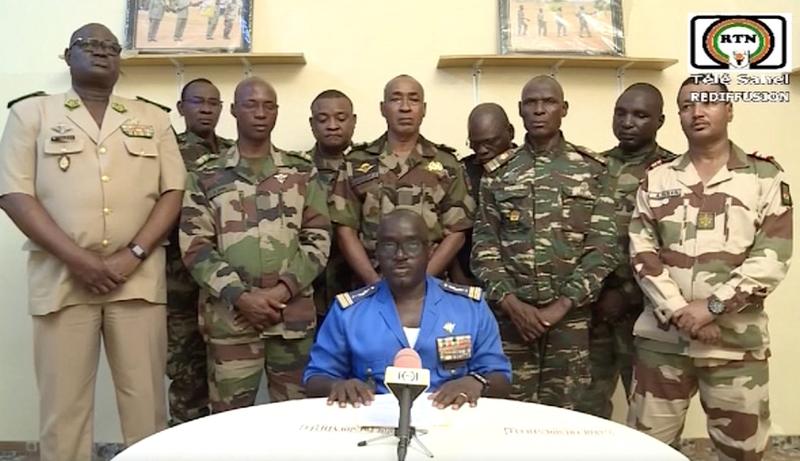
[{"x": 404, "y": 431}]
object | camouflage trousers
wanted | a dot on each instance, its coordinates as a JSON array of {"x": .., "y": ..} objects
[
  {"x": 611, "y": 354},
  {"x": 186, "y": 350},
  {"x": 236, "y": 370},
  {"x": 734, "y": 396},
  {"x": 554, "y": 370}
]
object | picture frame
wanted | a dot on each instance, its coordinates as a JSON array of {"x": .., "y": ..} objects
[
  {"x": 589, "y": 27},
  {"x": 189, "y": 26}
]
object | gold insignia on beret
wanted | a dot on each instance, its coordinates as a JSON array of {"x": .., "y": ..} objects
[{"x": 72, "y": 104}]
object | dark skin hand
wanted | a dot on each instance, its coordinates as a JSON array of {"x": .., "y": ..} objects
[
  {"x": 342, "y": 391},
  {"x": 457, "y": 392},
  {"x": 525, "y": 317},
  {"x": 611, "y": 305},
  {"x": 709, "y": 334},
  {"x": 693, "y": 316},
  {"x": 261, "y": 307}
]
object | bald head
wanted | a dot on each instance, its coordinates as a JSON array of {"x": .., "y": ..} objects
[
  {"x": 490, "y": 132},
  {"x": 247, "y": 85},
  {"x": 92, "y": 29},
  {"x": 648, "y": 92},
  {"x": 403, "y": 217},
  {"x": 405, "y": 80},
  {"x": 638, "y": 115},
  {"x": 544, "y": 81}
]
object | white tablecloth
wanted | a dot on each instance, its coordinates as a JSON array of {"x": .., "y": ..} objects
[{"x": 311, "y": 430}]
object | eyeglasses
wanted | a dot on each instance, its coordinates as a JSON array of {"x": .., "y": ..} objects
[
  {"x": 413, "y": 247},
  {"x": 93, "y": 44}
]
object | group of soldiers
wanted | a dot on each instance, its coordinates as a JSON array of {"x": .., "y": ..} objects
[
  {"x": 587, "y": 259},
  {"x": 212, "y": 9}
]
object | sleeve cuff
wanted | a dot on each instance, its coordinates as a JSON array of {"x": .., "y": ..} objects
[
  {"x": 670, "y": 306},
  {"x": 291, "y": 285},
  {"x": 727, "y": 294},
  {"x": 231, "y": 293}
]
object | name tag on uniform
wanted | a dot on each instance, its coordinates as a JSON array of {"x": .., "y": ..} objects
[
  {"x": 134, "y": 130},
  {"x": 62, "y": 138},
  {"x": 665, "y": 194},
  {"x": 454, "y": 348}
]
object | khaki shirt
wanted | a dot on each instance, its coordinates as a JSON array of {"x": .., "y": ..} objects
[
  {"x": 731, "y": 238},
  {"x": 99, "y": 184}
]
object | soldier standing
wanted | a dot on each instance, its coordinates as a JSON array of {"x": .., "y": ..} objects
[
  {"x": 254, "y": 234},
  {"x": 95, "y": 182},
  {"x": 491, "y": 135},
  {"x": 711, "y": 238},
  {"x": 545, "y": 238},
  {"x": 200, "y": 106},
  {"x": 638, "y": 115},
  {"x": 332, "y": 124},
  {"x": 401, "y": 169},
  {"x": 181, "y": 17},
  {"x": 155, "y": 14}
]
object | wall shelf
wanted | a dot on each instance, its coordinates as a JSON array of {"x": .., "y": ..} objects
[
  {"x": 550, "y": 61},
  {"x": 795, "y": 71},
  {"x": 214, "y": 59}
]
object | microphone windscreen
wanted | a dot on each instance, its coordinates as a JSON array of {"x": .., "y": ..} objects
[{"x": 407, "y": 358}]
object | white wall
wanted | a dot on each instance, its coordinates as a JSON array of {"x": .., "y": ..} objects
[{"x": 356, "y": 46}]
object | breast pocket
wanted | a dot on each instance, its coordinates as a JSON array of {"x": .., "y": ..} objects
[
  {"x": 58, "y": 155},
  {"x": 514, "y": 206},
  {"x": 231, "y": 218},
  {"x": 577, "y": 205}
]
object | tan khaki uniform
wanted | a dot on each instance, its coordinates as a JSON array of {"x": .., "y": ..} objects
[{"x": 99, "y": 184}]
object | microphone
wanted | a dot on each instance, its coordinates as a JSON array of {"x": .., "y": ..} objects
[{"x": 406, "y": 380}]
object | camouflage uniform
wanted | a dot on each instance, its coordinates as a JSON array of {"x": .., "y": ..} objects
[
  {"x": 240, "y": 230},
  {"x": 731, "y": 238},
  {"x": 474, "y": 171},
  {"x": 186, "y": 351},
  {"x": 336, "y": 277},
  {"x": 546, "y": 229},
  {"x": 611, "y": 339},
  {"x": 373, "y": 181}
]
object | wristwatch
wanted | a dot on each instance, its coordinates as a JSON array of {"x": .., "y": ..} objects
[
  {"x": 481, "y": 379},
  {"x": 137, "y": 250},
  {"x": 715, "y": 305}
]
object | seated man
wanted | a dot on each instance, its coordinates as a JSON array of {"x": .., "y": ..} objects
[{"x": 450, "y": 326}]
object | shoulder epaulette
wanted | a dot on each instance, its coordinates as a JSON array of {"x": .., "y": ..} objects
[
  {"x": 600, "y": 158},
  {"x": 473, "y": 293},
  {"x": 29, "y": 95},
  {"x": 160, "y": 106},
  {"x": 305, "y": 156},
  {"x": 767, "y": 158},
  {"x": 667, "y": 155},
  {"x": 498, "y": 161},
  {"x": 658, "y": 162},
  {"x": 203, "y": 160},
  {"x": 446, "y": 148},
  {"x": 347, "y": 299},
  {"x": 357, "y": 146}
]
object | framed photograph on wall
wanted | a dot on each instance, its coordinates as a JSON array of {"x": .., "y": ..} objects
[
  {"x": 185, "y": 26},
  {"x": 561, "y": 26}
]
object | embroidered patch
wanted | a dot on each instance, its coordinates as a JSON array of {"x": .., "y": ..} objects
[
  {"x": 705, "y": 220},
  {"x": 72, "y": 104},
  {"x": 364, "y": 167},
  {"x": 435, "y": 167},
  {"x": 119, "y": 107}
]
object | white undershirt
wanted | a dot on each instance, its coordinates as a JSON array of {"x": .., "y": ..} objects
[{"x": 411, "y": 334}]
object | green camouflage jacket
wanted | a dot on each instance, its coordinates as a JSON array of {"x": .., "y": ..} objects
[
  {"x": 195, "y": 152},
  {"x": 545, "y": 227},
  {"x": 372, "y": 182},
  {"x": 731, "y": 238},
  {"x": 240, "y": 230},
  {"x": 626, "y": 170}
]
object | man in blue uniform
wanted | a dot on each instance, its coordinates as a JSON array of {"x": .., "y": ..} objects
[{"x": 449, "y": 325}]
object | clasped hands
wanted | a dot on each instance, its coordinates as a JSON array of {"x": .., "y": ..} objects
[
  {"x": 262, "y": 307},
  {"x": 697, "y": 321},
  {"x": 532, "y": 322},
  {"x": 103, "y": 274}
]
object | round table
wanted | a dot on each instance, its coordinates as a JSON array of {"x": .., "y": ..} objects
[{"x": 311, "y": 430}]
